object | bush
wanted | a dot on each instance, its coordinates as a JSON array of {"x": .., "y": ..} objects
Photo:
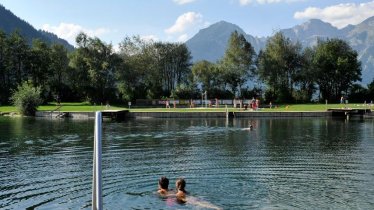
[{"x": 26, "y": 98}]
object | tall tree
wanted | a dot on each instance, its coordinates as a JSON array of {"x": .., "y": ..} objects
[
  {"x": 138, "y": 59},
  {"x": 337, "y": 68},
  {"x": 59, "y": 71},
  {"x": 155, "y": 69},
  {"x": 17, "y": 52},
  {"x": 100, "y": 63},
  {"x": 4, "y": 84},
  {"x": 370, "y": 96},
  {"x": 207, "y": 74},
  {"x": 174, "y": 62},
  {"x": 38, "y": 66},
  {"x": 238, "y": 62},
  {"x": 305, "y": 78},
  {"x": 279, "y": 65}
]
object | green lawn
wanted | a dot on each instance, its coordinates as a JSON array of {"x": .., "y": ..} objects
[
  {"x": 315, "y": 107},
  {"x": 77, "y": 107},
  {"x": 85, "y": 107},
  {"x": 7, "y": 109}
]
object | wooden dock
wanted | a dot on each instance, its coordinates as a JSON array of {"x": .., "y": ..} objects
[
  {"x": 348, "y": 112},
  {"x": 116, "y": 115}
]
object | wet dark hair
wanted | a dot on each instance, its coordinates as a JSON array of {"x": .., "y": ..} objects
[
  {"x": 163, "y": 182},
  {"x": 180, "y": 184}
]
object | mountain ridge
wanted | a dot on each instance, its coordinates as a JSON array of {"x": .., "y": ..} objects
[
  {"x": 360, "y": 37},
  {"x": 10, "y": 23}
]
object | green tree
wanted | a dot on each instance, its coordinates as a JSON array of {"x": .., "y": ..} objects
[
  {"x": 137, "y": 58},
  {"x": 358, "y": 94},
  {"x": 38, "y": 63},
  {"x": 152, "y": 69},
  {"x": 96, "y": 61},
  {"x": 4, "y": 75},
  {"x": 27, "y": 98},
  {"x": 59, "y": 68},
  {"x": 305, "y": 78},
  {"x": 173, "y": 60},
  {"x": 17, "y": 52},
  {"x": 371, "y": 91},
  {"x": 279, "y": 65},
  {"x": 238, "y": 63},
  {"x": 207, "y": 74},
  {"x": 337, "y": 68}
]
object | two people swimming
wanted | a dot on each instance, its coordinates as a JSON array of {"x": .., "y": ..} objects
[
  {"x": 180, "y": 184},
  {"x": 181, "y": 193}
]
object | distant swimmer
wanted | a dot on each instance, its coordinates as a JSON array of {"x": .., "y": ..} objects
[{"x": 249, "y": 128}]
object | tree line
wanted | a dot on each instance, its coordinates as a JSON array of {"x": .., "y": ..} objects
[{"x": 282, "y": 72}]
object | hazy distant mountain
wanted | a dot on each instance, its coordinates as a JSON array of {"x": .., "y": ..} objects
[
  {"x": 9, "y": 23},
  {"x": 309, "y": 32},
  {"x": 210, "y": 43}
]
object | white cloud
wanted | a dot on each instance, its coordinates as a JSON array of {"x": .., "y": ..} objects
[
  {"x": 181, "y": 2},
  {"x": 69, "y": 31},
  {"x": 339, "y": 15},
  {"x": 185, "y": 22},
  {"x": 247, "y": 2},
  {"x": 117, "y": 48},
  {"x": 150, "y": 38},
  {"x": 183, "y": 38}
]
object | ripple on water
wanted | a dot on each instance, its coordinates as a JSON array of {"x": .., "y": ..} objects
[{"x": 227, "y": 166}]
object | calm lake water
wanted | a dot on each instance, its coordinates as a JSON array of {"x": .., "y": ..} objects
[{"x": 312, "y": 163}]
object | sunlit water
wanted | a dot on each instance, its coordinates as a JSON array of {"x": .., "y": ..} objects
[{"x": 281, "y": 164}]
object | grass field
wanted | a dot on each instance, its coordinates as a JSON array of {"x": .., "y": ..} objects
[{"x": 85, "y": 107}]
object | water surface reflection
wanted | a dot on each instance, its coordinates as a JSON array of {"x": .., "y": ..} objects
[{"x": 279, "y": 164}]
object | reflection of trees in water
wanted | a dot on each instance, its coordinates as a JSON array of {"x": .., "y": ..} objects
[
  {"x": 44, "y": 136},
  {"x": 318, "y": 156},
  {"x": 284, "y": 136}
]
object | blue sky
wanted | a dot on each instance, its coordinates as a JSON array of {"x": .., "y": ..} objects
[{"x": 179, "y": 20}]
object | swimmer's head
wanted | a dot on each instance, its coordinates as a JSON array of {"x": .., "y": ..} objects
[
  {"x": 180, "y": 184},
  {"x": 163, "y": 182}
]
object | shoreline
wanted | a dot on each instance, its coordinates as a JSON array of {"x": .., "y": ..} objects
[
  {"x": 236, "y": 114},
  {"x": 125, "y": 114}
]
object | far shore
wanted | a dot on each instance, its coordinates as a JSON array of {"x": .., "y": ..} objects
[{"x": 84, "y": 107}]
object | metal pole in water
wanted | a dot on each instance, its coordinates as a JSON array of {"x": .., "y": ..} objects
[{"x": 97, "y": 201}]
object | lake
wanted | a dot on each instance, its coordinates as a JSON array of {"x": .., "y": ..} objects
[{"x": 308, "y": 163}]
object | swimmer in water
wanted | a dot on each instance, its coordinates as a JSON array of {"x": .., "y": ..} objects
[
  {"x": 163, "y": 186},
  {"x": 182, "y": 198},
  {"x": 180, "y": 184},
  {"x": 249, "y": 128}
]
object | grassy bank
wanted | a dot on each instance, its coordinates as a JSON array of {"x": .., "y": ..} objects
[{"x": 85, "y": 107}]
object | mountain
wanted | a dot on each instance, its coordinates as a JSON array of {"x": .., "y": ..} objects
[
  {"x": 9, "y": 23},
  {"x": 309, "y": 32},
  {"x": 210, "y": 43}
]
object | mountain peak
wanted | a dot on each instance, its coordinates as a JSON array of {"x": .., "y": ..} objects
[
  {"x": 222, "y": 27},
  {"x": 211, "y": 42},
  {"x": 10, "y": 22},
  {"x": 369, "y": 22},
  {"x": 311, "y": 28}
]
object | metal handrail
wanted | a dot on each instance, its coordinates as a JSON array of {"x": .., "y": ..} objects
[{"x": 97, "y": 200}]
